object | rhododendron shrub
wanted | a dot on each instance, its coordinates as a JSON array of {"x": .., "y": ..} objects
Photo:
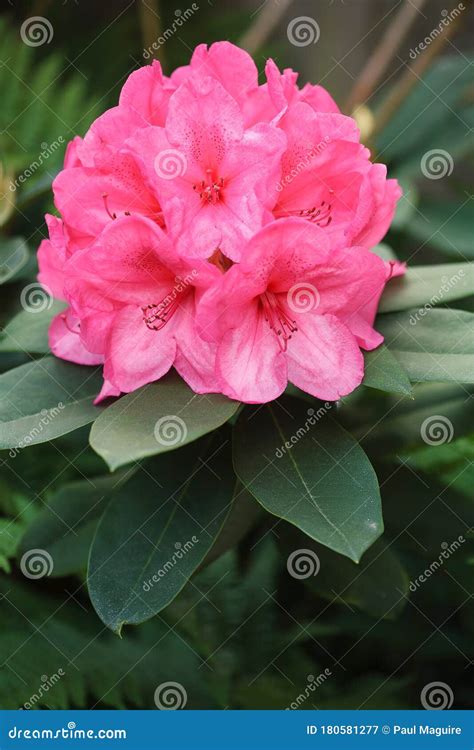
[{"x": 222, "y": 227}]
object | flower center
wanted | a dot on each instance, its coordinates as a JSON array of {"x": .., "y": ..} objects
[
  {"x": 320, "y": 215},
  {"x": 278, "y": 319},
  {"x": 210, "y": 189},
  {"x": 157, "y": 315}
]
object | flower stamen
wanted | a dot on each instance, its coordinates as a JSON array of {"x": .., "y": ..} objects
[{"x": 278, "y": 319}]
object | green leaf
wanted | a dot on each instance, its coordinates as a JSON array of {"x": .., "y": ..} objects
[
  {"x": 157, "y": 531},
  {"x": 437, "y": 347},
  {"x": 13, "y": 256},
  {"x": 243, "y": 515},
  {"x": 431, "y": 101},
  {"x": 311, "y": 472},
  {"x": 383, "y": 372},
  {"x": 445, "y": 225},
  {"x": 157, "y": 418},
  {"x": 377, "y": 585},
  {"x": 28, "y": 331},
  {"x": 65, "y": 527},
  {"x": 44, "y": 399},
  {"x": 428, "y": 286}
]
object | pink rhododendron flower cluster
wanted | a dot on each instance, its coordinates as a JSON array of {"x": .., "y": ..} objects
[{"x": 221, "y": 227}]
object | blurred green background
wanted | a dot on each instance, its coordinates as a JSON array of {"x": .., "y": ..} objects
[{"x": 244, "y": 634}]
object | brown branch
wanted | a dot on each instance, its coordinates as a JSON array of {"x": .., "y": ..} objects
[
  {"x": 383, "y": 54},
  {"x": 266, "y": 21},
  {"x": 411, "y": 76},
  {"x": 150, "y": 25}
]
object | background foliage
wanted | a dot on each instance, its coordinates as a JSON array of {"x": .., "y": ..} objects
[{"x": 242, "y": 632}]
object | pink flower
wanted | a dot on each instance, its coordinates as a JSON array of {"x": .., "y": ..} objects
[
  {"x": 137, "y": 313},
  {"x": 328, "y": 178},
  {"x": 216, "y": 181},
  {"x": 289, "y": 311},
  {"x": 199, "y": 214}
]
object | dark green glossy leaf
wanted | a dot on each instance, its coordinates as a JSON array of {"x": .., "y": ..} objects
[
  {"x": 13, "y": 257},
  {"x": 28, "y": 331},
  {"x": 310, "y": 472},
  {"x": 65, "y": 527},
  {"x": 157, "y": 418},
  {"x": 431, "y": 345},
  {"x": 382, "y": 371},
  {"x": 157, "y": 531},
  {"x": 44, "y": 399},
  {"x": 428, "y": 286}
]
